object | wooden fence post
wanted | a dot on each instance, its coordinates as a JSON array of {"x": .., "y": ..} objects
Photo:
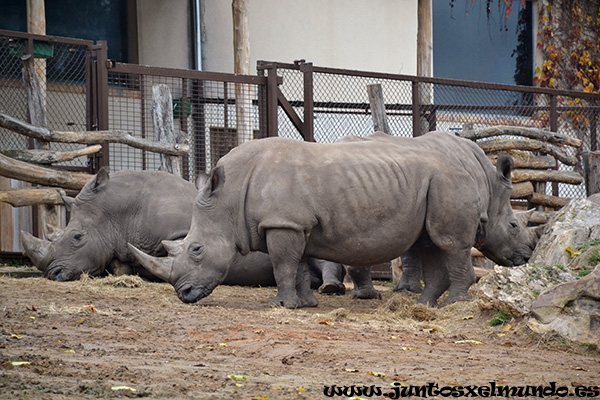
[
  {"x": 377, "y": 105},
  {"x": 164, "y": 131},
  {"x": 591, "y": 165}
]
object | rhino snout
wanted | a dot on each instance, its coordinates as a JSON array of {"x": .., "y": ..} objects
[{"x": 192, "y": 294}]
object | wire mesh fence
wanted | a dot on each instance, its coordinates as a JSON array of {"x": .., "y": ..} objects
[
  {"x": 62, "y": 72},
  {"x": 212, "y": 115},
  {"x": 341, "y": 107}
]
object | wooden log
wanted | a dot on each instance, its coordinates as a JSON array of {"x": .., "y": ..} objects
[
  {"x": 540, "y": 218},
  {"x": 549, "y": 201},
  {"x": 506, "y": 145},
  {"x": 532, "y": 133},
  {"x": 45, "y": 157},
  {"x": 538, "y": 175},
  {"x": 91, "y": 137},
  {"x": 32, "y": 197},
  {"x": 164, "y": 131},
  {"x": 528, "y": 160},
  {"x": 522, "y": 190},
  {"x": 377, "y": 105},
  {"x": 23, "y": 171}
]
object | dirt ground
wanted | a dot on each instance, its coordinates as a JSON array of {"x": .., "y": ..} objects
[{"x": 124, "y": 337}]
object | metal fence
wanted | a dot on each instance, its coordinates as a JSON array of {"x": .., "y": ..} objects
[{"x": 338, "y": 104}]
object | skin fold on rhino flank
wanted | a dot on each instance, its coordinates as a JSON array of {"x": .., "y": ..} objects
[{"x": 358, "y": 202}]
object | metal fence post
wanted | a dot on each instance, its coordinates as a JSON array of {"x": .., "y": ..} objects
[
  {"x": 272, "y": 112},
  {"x": 416, "y": 109},
  {"x": 308, "y": 125}
]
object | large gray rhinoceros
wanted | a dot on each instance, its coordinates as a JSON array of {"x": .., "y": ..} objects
[
  {"x": 143, "y": 208},
  {"x": 358, "y": 202}
]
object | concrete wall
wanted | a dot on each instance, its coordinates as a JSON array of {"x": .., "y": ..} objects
[
  {"x": 354, "y": 34},
  {"x": 164, "y": 33}
]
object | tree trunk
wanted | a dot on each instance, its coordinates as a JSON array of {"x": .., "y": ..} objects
[{"x": 241, "y": 59}]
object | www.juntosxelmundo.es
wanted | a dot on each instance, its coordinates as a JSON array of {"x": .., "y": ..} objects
[{"x": 400, "y": 390}]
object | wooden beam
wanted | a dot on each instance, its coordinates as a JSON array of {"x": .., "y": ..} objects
[
  {"x": 528, "y": 160},
  {"x": 23, "y": 171},
  {"x": 507, "y": 145},
  {"x": 45, "y": 157},
  {"x": 531, "y": 133},
  {"x": 549, "y": 201},
  {"x": 522, "y": 190},
  {"x": 91, "y": 137},
  {"x": 538, "y": 175},
  {"x": 32, "y": 197}
]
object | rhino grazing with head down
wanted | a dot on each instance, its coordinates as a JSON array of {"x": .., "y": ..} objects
[
  {"x": 143, "y": 208},
  {"x": 357, "y": 202}
]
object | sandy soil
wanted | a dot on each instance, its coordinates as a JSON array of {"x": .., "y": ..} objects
[{"x": 85, "y": 339}]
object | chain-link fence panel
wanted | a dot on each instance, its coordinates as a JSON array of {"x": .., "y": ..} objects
[
  {"x": 212, "y": 116},
  {"x": 61, "y": 68}
]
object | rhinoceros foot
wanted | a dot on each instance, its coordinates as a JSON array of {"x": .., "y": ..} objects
[
  {"x": 365, "y": 293},
  {"x": 293, "y": 301},
  {"x": 332, "y": 288},
  {"x": 412, "y": 286},
  {"x": 451, "y": 299}
]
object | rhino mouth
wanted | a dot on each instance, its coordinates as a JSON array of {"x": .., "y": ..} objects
[
  {"x": 193, "y": 294},
  {"x": 58, "y": 272}
]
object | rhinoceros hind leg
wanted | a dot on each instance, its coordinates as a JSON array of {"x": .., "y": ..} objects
[
  {"x": 332, "y": 288},
  {"x": 435, "y": 275},
  {"x": 332, "y": 275},
  {"x": 305, "y": 294},
  {"x": 412, "y": 273},
  {"x": 462, "y": 276},
  {"x": 363, "y": 285}
]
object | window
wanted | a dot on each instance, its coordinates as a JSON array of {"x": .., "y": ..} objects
[
  {"x": 91, "y": 20},
  {"x": 471, "y": 44}
]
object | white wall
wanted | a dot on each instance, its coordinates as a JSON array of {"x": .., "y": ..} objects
[
  {"x": 164, "y": 33},
  {"x": 370, "y": 35}
]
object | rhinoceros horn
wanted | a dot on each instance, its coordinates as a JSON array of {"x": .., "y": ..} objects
[
  {"x": 174, "y": 247},
  {"x": 36, "y": 249},
  {"x": 160, "y": 267}
]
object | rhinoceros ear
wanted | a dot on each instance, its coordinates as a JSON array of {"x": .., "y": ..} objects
[
  {"x": 68, "y": 200},
  {"x": 216, "y": 182},
  {"x": 504, "y": 166},
  {"x": 201, "y": 180}
]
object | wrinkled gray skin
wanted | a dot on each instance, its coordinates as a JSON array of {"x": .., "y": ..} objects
[
  {"x": 360, "y": 202},
  {"x": 140, "y": 207},
  {"x": 412, "y": 271}
]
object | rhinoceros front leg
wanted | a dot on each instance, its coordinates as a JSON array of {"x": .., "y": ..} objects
[
  {"x": 412, "y": 272},
  {"x": 435, "y": 274},
  {"x": 285, "y": 247},
  {"x": 363, "y": 284},
  {"x": 462, "y": 276}
]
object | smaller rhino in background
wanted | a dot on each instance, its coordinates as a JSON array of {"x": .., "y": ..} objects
[{"x": 145, "y": 208}]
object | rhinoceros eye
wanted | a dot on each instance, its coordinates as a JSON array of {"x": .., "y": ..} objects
[
  {"x": 195, "y": 250},
  {"x": 77, "y": 239}
]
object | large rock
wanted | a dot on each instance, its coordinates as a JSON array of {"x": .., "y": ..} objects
[
  {"x": 564, "y": 254},
  {"x": 571, "y": 309},
  {"x": 512, "y": 290},
  {"x": 574, "y": 225}
]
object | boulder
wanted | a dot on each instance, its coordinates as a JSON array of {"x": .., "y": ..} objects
[
  {"x": 567, "y": 251},
  {"x": 571, "y": 309},
  {"x": 512, "y": 290}
]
